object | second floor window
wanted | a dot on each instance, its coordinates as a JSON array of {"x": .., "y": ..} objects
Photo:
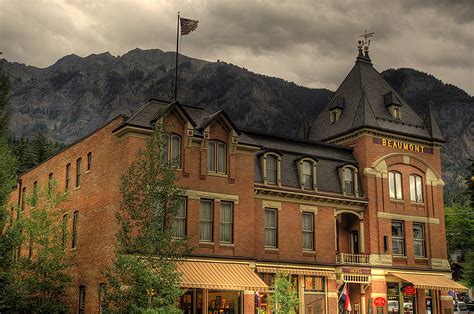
[
  {"x": 75, "y": 225},
  {"x": 271, "y": 169},
  {"x": 416, "y": 190},
  {"x": 78, "y": 172},
  {"x": 23, "y": 199},
  {"x": 419, "y": 239},
  {"x": 179, "y": 222},
  {"x": 89, "y": 161},
  {"x": 206, "y": 219},
  {"x": 308, "y": 231},
  {"x": 68, "y": 176},
  {"x": 398, "y": 238},
  {"x": 226, "y": 222},
  {"x": 271, "y": 227},
  {"x": 395, "y": 185},
  {"x": 64, "y": 231},
  {"x": 307, "y": 175},
  {"x": 216, "y": 157}
]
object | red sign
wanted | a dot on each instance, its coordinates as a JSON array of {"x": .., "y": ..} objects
[
  {"x": 409, "y": 290},
  {"x": 380, "y": 301}
]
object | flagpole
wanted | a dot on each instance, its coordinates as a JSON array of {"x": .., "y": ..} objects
[{"x": 176, "y": 67}]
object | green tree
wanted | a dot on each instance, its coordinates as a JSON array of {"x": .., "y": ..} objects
[
  {"x": 284, "y": 299},
  {"x": 43, "y": 147},
  {"x": 459, "y": 228},
  {"x": 4, "y": 103},
  {"x": 36, "y": 276},
  {"x": 144, "y": 274}
]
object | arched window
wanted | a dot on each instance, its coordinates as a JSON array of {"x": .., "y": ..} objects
[
  {"x": 307, "y": 172},
  {"x": 416, "y": 189},
  {"x": 78, "y": 172},
  {"x": 216, "y": 157},
  {"x": 395, "y": 185}
]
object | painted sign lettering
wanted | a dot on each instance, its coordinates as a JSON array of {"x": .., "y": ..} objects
[{"x": 399, "y": 145}]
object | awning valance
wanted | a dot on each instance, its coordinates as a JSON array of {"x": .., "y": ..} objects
[
  {"x": 220, "y": 275},
  {"x": 435, "y": 282},
  {"x": 294, "y": 271}
]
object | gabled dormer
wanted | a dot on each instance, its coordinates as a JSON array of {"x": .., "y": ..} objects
[{"x": 393, "y": 105}]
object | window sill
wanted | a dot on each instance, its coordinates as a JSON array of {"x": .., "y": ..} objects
[
  {"x": 397, "y": 201},
  {"x": 417, "y": 203},
  {"x": 311, "y": 253},
  {"x": 73, "y": 249},
  {"x": 420, "y": 258},
  {"x": 227, "y": 245},
  {"x": 77, "y": 188},
  {"x": 217, "y": 174},
  {"x": 272, "y": 249},
  {"x": 400, "y": 256},
  {"x": 87, "y": 172},
  {"x": 206, "y": 243}
]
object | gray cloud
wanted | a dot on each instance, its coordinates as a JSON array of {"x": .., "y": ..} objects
[{"x": 309, "y": 42}]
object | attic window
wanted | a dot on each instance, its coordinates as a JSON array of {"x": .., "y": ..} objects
[
  {"x": 396, "y": 112},
  {"x": 334, "y": 115}
]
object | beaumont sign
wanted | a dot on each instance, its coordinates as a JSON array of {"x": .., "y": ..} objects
[{"x": 403, "y": 145}]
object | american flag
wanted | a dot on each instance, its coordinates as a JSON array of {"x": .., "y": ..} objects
[{"x": 187, "y": 25}]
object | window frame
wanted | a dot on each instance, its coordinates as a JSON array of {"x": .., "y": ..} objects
[
  {"x": 207, "y": 221},
  {"x": 78, "y": 171},
  {"x": 82, "y": 299},
  {"x": 89, "y": 161},
  {"x": 167, "y": 142},
  {"x": 273, "y": 229},
  {"x": 215, "y": 158},
  {"x": 311, "y": 232},
  {"x": 417, "y": 180},
  {"x": 75, "y": 227},
  {"x": 352, "y": 172},
  {"x": 181, "y": 218},
  {"x": 68, "y": 176},
  {"x": 64, "y": 231},
  {"x": 302, "y": 175},
  {"x": 421, "y": 240},
  {"x": 397, "y": 187},
  {"x": 231, "y": 222},
  {"x": 399, "y": 238}
]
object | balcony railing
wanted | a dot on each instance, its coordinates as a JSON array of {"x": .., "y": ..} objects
[{"x": 352, "y": 259}]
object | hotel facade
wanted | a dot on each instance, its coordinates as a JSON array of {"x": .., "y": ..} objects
[{"x": 356, "y": 200}]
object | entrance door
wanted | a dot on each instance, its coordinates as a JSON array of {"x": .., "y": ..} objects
[{"x": 355, "y": 242}]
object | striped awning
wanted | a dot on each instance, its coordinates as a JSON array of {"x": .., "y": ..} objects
[
  {"x": 220, "y": 275},
  {"x": 294, "y": 270},
  {"x": 435, "y": 282}
]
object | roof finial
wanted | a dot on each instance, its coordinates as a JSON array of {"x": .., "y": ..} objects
[{"x": 365, "y": 43}]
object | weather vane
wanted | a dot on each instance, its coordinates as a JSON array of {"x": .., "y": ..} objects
[{"x": 365, "y": 43}]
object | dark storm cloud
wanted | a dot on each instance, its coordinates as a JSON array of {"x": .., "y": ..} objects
[{"x": 310, "y": 42}]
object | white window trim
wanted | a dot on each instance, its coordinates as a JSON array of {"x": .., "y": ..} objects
[
  {"x": 263, "y": 162},
  {"x": 216, "y": 158},
  {"x": 300, "y": 173},
  {"x": 343, "y": 182}
]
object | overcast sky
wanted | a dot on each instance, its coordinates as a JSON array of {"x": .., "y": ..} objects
[{"x": 312, "y": 43}]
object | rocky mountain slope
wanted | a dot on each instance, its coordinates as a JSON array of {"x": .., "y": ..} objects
[{"x": 76, "y": 95}]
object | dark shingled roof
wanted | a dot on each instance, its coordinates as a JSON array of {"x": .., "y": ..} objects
[
  {"x": 329, "y": 158},
  {"x": 363, "y": 91}
]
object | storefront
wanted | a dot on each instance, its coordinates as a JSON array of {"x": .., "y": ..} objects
[
  {"x": 311, "y": 285},
  {"x": 218, "y": 287},
  {"x": 409, "y": 293}
]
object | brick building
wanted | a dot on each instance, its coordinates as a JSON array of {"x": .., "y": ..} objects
[{"x": 357, "y": 200}]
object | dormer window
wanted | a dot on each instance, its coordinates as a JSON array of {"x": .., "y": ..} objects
[
  {"x": 172, "y": 148},
  {"x": 335, "y": 109},
  {"x": 270, "y": 163},
  {"x": 349, "y": 184},
  {"x": 334, "y": 115},
  {"x": 393, "y": 105},
  {"x": 217, "y": 157},
  {"x": 307, "y": 171}
]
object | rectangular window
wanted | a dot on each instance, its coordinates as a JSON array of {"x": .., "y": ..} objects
[
  {"x": 68, "y": 176},
  {"x": 308, "y": 231},
  {"x": 271, "y": 227},
  {"x": 271, "y": 169},
  {"x": 75, "y": 222},
  {"x": 165, "y": 138},
  {"x": 349, "y": 181},
  {"x": 395, "y": 185},
  {"x": 307, "y": 174},
  {"x": 419, "y": 239},
  {"x": 393, "y": 296},
  {"x": 50, "y": 181},
  {"x": 221, "y": 158},
  {"x": 179, "y": 222},
  {"x": 64, "y": 231},
  {"x": 23, "y": 199},
  {"x": 398, "y": 238},
  {"x": 313, "y": 284},
  {"x": 89, "y": 161},
  {"x": 78, "y": 172},
  {"x": 416, "y": 191},
  {"x": 206, "y": 221},
  {"x": 211, "y": 159},
  {"x": 226, "y": 222},
  {"x": 176, "y": 150},
  {"x": 82, "y": 299},
  {"x": 34, "y": 200}
]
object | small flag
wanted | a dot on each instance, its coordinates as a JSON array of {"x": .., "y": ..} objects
[
  {"x": 345, "y": 298},
  {"x": 187, "y": 25}
]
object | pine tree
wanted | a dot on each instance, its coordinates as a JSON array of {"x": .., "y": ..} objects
[
  {"x": 42, "y": 146},
  {"x": 4, "y": 103},
  {"x": 144, "y": 274}
]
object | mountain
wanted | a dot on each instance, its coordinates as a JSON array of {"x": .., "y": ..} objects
[{"x": 76, "y": 95}]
